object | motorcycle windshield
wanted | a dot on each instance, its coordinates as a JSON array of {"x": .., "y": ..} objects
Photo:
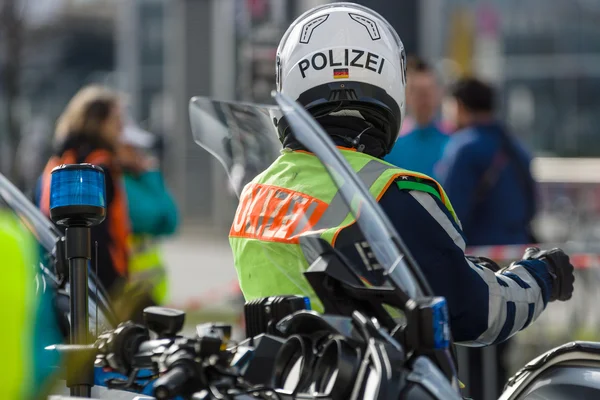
[
  {"x": 41, "y": 227},
  {"x": 331, "y": 195},
  {"x": 241, "y": 136}
]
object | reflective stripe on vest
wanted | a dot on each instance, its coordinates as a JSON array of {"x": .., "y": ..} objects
[
  {"x": 280, "y": 214},
  {"x": 295, "y": 196}
]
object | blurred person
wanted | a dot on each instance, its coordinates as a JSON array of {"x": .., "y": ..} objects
[
  {"x": 29, "y": 320},
  {"x": 88, "y": 131},
  {"x": 421, "y": 147},
  {"x": 152, "y": 210},
  {"x": 485, "y": 307},
  {"x": 486, "y": 174}
]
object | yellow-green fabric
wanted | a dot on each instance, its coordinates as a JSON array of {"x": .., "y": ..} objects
[
  {"x": 274, "y": 267},
  {"x": 146, "y": 267},
  {"x": 18, "y": 307}
]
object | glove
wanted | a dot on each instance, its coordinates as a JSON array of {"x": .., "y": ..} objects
[{"x": 560, "y": 269}]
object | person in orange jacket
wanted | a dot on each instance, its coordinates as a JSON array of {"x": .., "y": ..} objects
[{"x": 88, "y": 131}]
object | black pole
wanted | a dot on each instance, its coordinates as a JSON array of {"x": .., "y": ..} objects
[{"x": 80, "y": 377}]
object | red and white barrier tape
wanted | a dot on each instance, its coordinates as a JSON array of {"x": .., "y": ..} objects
[{"x": 580, "y": 260}]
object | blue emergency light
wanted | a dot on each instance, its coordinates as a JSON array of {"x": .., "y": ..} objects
[
  {"x": 77, "y": 195},
  {"x": 307, "y": 303},
  {"x": 441, "y": 324}
]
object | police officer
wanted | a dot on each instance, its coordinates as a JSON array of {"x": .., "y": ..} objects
[{"x": 346, "y": 65}]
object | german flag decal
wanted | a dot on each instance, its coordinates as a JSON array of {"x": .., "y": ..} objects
[{"x": 341, "y": 73}]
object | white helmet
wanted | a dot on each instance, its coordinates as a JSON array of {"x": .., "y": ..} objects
[{"x": 344, "y": 56}]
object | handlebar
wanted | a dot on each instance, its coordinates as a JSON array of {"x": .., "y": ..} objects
[
  {"x": 188, "y": 366},
  {"x": 184, "y": 365},
  {"x": 173, "y": 382}
]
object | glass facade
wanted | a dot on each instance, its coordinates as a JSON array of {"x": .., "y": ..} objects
[
  {"x": 259, "y": 26},
  {"x": 151, "y": 55},
  {"x": 544, "y": 56}
]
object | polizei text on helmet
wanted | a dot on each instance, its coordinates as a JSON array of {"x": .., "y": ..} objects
[{"x": 347, "y": 58}]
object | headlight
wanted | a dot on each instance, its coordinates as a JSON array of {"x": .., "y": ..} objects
[
  {"x": 293, "y": 364},
  {"x": 336, "y": 369}
]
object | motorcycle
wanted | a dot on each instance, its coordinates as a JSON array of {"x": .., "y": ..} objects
[
  {"x": 357, "y": 349},
  {"x": 570, "y": 371},
  {"x": 566, "y": 372},
  {"x": 382, "y": 334}
]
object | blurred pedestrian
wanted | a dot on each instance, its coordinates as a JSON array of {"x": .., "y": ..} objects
[
  {"x": 422, "y": 146},
  {"x": 153, "y": 213},
  {"x": 486, "y": 173},
  {"x": 88, "y": 131}
]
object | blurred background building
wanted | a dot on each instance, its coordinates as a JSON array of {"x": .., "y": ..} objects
[{"x": 544, "y": 55}]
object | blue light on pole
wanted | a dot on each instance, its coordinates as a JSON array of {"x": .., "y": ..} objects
[{"x": 77, "y": 195}]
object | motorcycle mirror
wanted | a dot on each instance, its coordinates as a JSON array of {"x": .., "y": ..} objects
[{"x": 165, "y": 322}]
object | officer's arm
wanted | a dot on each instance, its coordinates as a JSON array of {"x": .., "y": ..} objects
[{"x": 485, "y": 307}]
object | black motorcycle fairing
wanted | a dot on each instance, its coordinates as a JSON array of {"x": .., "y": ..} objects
[
  {"x": 257, "y": 358},
  {"x": 425, "y": 373},
  {"x": 542, "y": 360},
  {"x": 384, "y": 364},
  {"x": 564, "y": 382},
  {"x": 334, "y": 280},
  {"x": 307, "y": 322},
  {"x": 556, "y": 369}
]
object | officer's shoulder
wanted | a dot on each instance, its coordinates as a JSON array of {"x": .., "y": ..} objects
[
  {"x": 411, "y": 182},
  {"x": 400, "y": 196}
]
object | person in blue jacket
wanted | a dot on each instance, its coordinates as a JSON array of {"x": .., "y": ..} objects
[
  {"x": 153, "y": 213},
  {"x": 487, "y": 177},
  {"x": 422, "y": 146},
  {"x": 486, "y": 172}
]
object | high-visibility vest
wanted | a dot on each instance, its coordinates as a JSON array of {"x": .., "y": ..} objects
[
  {"x": 295, "y": 196},
  {"x": 17, "y": 291},
  {"x": 146, "y": 267},
  {"x": 28, "y": 321}
]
